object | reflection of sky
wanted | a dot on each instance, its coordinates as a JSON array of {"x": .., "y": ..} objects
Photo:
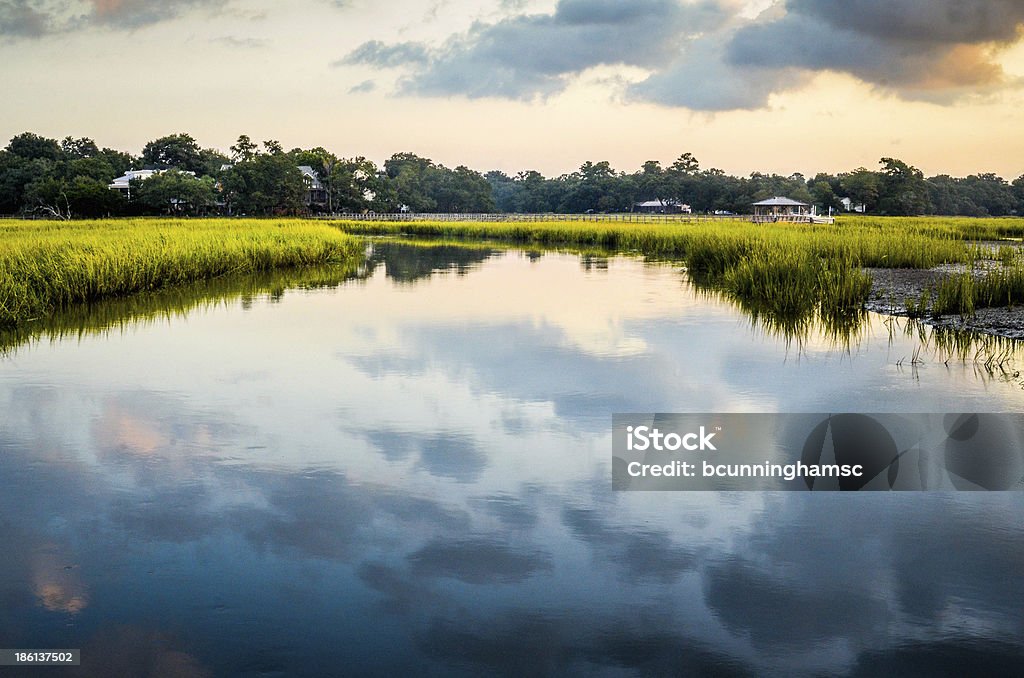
[{"x": 388, "y": 475}]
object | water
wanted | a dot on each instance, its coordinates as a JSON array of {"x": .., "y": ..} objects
[{"x": 406, "y": 469}]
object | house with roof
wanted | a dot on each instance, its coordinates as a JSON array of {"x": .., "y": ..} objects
[
  {"x": 661, "y": 207},
  {"x": 850, "y": 206},
  {"x": 787, "y": 210},
  {"x": 123, "y": 183},
  {"x": 316, "y": 192}
]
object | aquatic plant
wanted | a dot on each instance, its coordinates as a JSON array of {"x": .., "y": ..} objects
[{"x": 46, "y": 266}]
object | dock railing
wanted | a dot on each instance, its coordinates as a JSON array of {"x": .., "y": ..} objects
[{"x": 633, "y": 218}]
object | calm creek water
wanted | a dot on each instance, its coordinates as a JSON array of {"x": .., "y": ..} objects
[{"x": 408, "y": 472}]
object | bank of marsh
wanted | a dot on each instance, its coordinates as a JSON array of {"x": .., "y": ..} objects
[
  {"x": 787, "y": 270},
  {"x": 783, "y": 270},
  {"x": 46, "y": 266}
]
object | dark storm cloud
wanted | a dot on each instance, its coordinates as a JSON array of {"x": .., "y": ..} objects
[
  {"x": 915, "y": 48},
  {"x": 703, "y": 56},
  {"x": 528, "y": 55},
  {"x": 926, "y": 21}
]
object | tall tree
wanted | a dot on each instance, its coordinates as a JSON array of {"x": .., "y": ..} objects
[
  {"x": 79, "y": 148},
  {"x": 34, "y": 147},
  {"x": 863, "y": 187},
  {"x": 903, "y": 190},
  {"x": 178, "y": 151},
  {"x": 244, "y": 150},
  {"x": 267, "y": 184}
]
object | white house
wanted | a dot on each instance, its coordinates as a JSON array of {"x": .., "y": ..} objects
[
  {"x": 850, "y": 206},
  {"x": 123, "y": 182},
  {"x": 782, "y": 209}
]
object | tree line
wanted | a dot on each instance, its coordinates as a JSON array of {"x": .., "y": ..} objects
[{"x": 71, "y": 178}]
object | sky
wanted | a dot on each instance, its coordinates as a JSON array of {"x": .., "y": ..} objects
[{"x": 745, "y": 85}]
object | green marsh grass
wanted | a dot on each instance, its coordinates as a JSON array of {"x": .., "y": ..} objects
[
  {"x": 48, "y": 266},
  {"x": 784, "y": 269},
  {"x": 963, "y": 293}
]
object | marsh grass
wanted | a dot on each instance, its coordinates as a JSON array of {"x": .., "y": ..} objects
[
  {"x": 991, "y": 355},
  {"x": 49, "y": 266},
  {"x": 713, "y": 247},
  {"x": 964, "y": 293},
  {"x": 787, "y": 270}
]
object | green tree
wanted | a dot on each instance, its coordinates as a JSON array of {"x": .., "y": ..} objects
[
  {"x": 863, "y": 187},
  {"x": 48, "y": 195},
  {"x": 462, "y": 190},
  {"x": 212, "y": 160},
  {"x": 409, "y": 177},
  {"x": 178, "y": 151},
  {"x": 79, "y": 148},
  {"x": 355, "y": 184},
  {"x": 92, "y": 167},
  {"x": 34, "y": 147},
  {"x": 503, "y": 190},
  {"x": 991, "y": 193},
  {"x": 535, "y": 194},
  {"x": 244, "y": 149},
  {"x": 1018, "y": 193},
  {"x": 653, "y": 183},
  {"x": 89, "y": 197},
  {"x": 824, "y": 197},
  {"x": 267, "y": 184},
  {"x": 174, "y": 192},
  {"x": 15, "y": 174},
  {"x": 903, "y": 190}
]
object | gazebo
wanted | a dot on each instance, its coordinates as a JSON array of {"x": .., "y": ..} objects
[{"x": 781, "y": 209}]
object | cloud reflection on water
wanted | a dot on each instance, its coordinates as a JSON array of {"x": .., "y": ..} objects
[{"x": 451, "y": 472}]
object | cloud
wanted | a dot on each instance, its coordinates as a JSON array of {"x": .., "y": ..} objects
[
  {"x": 132, "y": 14},
  {"x": 524, "y": 56},
  {"x": 750, "y": 602},
  {"x": 703, "y": 55},
  {"x": 376, "y": 53},
  {"x": 23, "y": 19},
  {"x": 925, "y": 21},
  {"x": 571, "y": 641},
  {"x": 37, "y": 18},
  {"x": 639, "y": 554},
  {"x": 242, "y": 43},
  {"x": 915, "y": 48},
  {"x": 364, "y": 87},
  {"x": 478, "y": 560},
  {"x": 704, "y": 80}
]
